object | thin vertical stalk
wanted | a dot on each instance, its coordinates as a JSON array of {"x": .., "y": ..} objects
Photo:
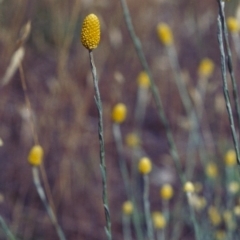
[
  {"x": 127, "y": 235},
  {"x": 98, "y": 102},
  {"x": 6, "y": 230}
]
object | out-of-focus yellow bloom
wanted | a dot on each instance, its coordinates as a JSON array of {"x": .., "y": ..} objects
[
  {"x": 188, "y": 187},
  {"x": 230, "y": 158},
  {"x": 197, "y": 202},
  {"x": 229, "y": 221},
  {"x": 166, "y": 192},
  {"x": 127, "y": 208},
  {"x": 206, "y": 68},
  {"x": 233, "y": 187},
  {"x": 119, "y": 113},
  {"x": 236, "y": 210},
  {"x": 214, "y": 216},
  {"x": 198, "y": 187},
  {"x": 145, "y": 165},
  {"x": 143, "y": 80},
  {"x": 233, "y": 25},
  {"x": 35, "y": 155},
  {"x": 132, "y": 140},
  {"x": 159, "y": 221},
  {"x": 90, "y": 35},
  {"x": 220, "y": 235},
  {"x": 211, "y": 170},
  {"x": 165, "y": 34}
]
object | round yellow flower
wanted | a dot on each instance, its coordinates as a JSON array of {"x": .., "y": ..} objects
[
  {"x": 143, "y": 80},
  {"x": 206, "y": 68},
  {"x": 145, "y": 165},
  {"x": 119, "y": 113},
  {"x": 165, "y": 34},
  {"x": 233, "y": 187},
  {"x": 159, "y": 221},
  {"x": 35, "y": 155},
  {"x": 233, "y": 25},
  {"x": 132, "y": 140},
  {"x": 90, "y": 35},
  {"x": 214, "y": 216},
  {"x": 127, "y": 208},
  {"x": 220, "y": 235},
  {"x": 166, "y": 192},
  {"x": 211, "y": 170},
  {"x": 230, "y": 158},
  {"x": 188, "y": 187}
]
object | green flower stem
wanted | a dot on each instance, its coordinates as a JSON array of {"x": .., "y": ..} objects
[
  {"x": 236, "y": 40},
  {"x": 225, "y": 85},
  {"x": 98, "y": 102},
  {"x": 6, "y": 230},
  {"x": 155, "y": 92},
  {"x": 126, "y": 222},
  {"x": 41, "y": 193},
  {"x": 160, "y": 234},
  {"x": 224, "y": 32},
  {"x": 147, "y": 210}
]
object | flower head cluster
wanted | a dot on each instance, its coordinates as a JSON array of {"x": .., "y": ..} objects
[
  {"x": 166, "y": 192},
  {"x": 145, "y": 165},
  {"x": 119, "y": 113},
  {"x": 159, "y": 220},
  {"x": 35, "y": 155}
]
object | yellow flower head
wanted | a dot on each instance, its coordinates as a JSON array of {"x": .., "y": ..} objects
[
  {"x": 214, "y": 216},
  {"x": 236, "y": 210},
  {"x": 230, "y": 158},
  {"x": 145, "y": 165},
  {"x": 165, "y": 34},
  {"x": 233, "y": 25},
  {"x": 132, "y": 140},
  {"x": 188, "y": 187},
  {"x": 198, "y": 202},
  {"x": 127, "y": 208},
  {"x": 90, "y": 35},
  {"x": 211, "y": 170},
  {"x": 143, "y": 80},
  {"x": 119, "y": 113},
  {"x": 166, "y": 192},
  {"x": 206, "y": 68},
  {"x": 159, "y": 220},
  {"x": 233, "y": 187},
  {"x": 220, "y": 235},
  {"x": 35, "y": 155}
]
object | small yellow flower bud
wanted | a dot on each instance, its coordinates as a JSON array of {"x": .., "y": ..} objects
[
  {"x": 214, "y": 216},
  {"x": 35, "y": 155},
  {"x": 143, "y": 80},
  {"x": 206, "y": 68},
  {"x": 145, "y": 165},
  {"x": 132, "y": 140},
  {"x": 90, "y": 36},
  {"x": 165, "y": 34},
  {"x": 119, "y": 113},
  {"x": 127, "y": 208},
  {"x": 166, "y": 192},
  {"x": 159, "y": 220},
  {"x": 188, "y": 187},
  {"x": 211, "y": 170},
  {"x": 233, "y": 187},
  {"x": 233, "y": 25},
  {"x": 230, "y": 158}
]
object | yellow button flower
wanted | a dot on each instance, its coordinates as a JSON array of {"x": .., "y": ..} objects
[
  {"x": 211, "y": 170},
  {"x": 159, "y": 220},
  {"x": 90, "y": 35},
  {"x": 127, "y": 207},
  {"x": 119, "y": 113},
  {"x": 145, "y": 165},
  {"x": 166, "y": 192},
  {"x": 188, "y": 187},
  {"x": 233, "y": 25},
  {"x": 206, "y": 68},
  {"x": 35, "y": 155},
  {"x": 132, "y": 140},
  {"x": 165, "y": 34},
  {"x": 143, "y": 80},
  {"x": 230, "y": 158}
]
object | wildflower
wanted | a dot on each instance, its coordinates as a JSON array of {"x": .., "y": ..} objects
[
  {"x": 233, "y": 187},
  {"x": 206, "y": 68},
  {"x": 127, "y": 207},
  {"x": 211, "y": 170},
  {"x": 159, "y": 220},
  {"x": 236, "y": 210},
  {"x": 132, "y": 140},
  {"x": 165, "y": 34},
  {"x": 90, "y": 36},
  {"x": 198, "y": 187},
  {"x": 143, "y": 80},
  {"x": 197, "y": 202},
  {"x": 214, "y": 216},
  {"x": 229, "y": 221},
  {"x": 230, "y": 158},
  {"x": 188, "y": 187},
  {"x": 233, "y": 25},
  {"x": 35, "y": 155},
  {"x": 220, "y": 235},
  {"x": 119, "y": 113},
  {"x": 145, "y": 165},
  {"x": 166, "y": 192}
]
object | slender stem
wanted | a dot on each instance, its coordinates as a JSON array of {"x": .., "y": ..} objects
[
  {"x": 6, "y": 230},
  {"x": 98, "y": 102},
  {"x": 126, "y": 220}
]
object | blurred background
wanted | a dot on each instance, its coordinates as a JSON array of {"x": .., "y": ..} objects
[{"x": 60, "y": 88}]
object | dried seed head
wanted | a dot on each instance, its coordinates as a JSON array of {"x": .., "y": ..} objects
[
  {"x": 90, "y": 35},
  {"x": 35, "y": 155}
]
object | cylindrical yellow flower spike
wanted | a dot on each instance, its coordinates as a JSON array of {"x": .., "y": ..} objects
[
  {"x": 233, "y": 25},
  {"x": 211, "y": 170},
  {"x": 159, "y": 220},
  {"x": 145, "y": 165},
  {"x": 230, "y": 158},
  {"x": 127, "y": 208},
  {"x": 164, "y": 34},
  {"x": 143, "y": 80},
  {"x": 119, "y": 113},
  {"x": 166, "y": 192},
  {"x": 188, "y": 187},
  {"x": 35, "y": 155},
  {"x": 90, "y": 35},
  {"x": 206, "y": 68}
]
